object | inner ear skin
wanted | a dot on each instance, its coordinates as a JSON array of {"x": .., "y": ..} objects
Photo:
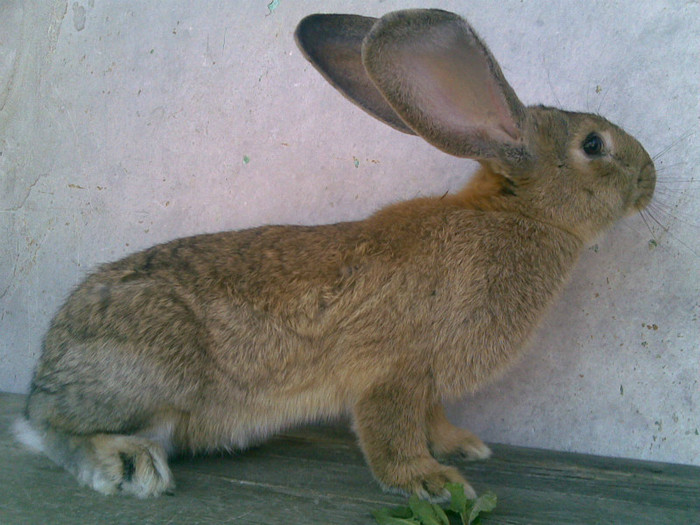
[
  {"x": 333, "y": 45},
  {"x": 443, "y": 81}
]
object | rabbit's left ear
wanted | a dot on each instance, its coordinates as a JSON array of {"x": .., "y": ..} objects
[
  {"x": 444, "y": 83},
  {"x": 333, "y": 44}
]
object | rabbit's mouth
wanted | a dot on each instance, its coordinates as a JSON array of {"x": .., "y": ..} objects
[{"x": 646, "y": 182}]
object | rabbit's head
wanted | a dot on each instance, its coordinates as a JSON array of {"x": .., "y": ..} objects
[{"x": 426, "y": 72}]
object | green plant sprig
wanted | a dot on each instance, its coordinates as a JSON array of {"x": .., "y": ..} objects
[{"x": 421, "y": 512}]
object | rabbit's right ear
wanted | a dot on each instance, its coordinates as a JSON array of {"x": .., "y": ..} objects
[
  {"x": 333, "y": 44},
  {"x": 444, "y": 83}
]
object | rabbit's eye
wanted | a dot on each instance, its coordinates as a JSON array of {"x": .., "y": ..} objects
[{"x": 593, "y": 145}]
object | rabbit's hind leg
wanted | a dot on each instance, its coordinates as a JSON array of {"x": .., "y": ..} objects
[{"x": 114, "y": 436}]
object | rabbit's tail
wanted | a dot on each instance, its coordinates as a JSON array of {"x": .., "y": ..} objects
[{"x": 30, "y": 437}]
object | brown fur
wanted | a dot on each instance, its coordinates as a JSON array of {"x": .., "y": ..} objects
[{"x": 216, "y": 341}]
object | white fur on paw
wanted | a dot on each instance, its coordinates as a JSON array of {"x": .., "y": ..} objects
[{"x": 480, "y": 451}]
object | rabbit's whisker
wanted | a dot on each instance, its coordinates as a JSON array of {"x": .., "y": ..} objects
[{"x": 673, "y": 144}]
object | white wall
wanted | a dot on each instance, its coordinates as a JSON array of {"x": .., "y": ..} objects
[{"x": 123, "y": 124}]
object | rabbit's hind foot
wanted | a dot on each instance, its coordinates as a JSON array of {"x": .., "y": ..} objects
[
  {"x": 108, "y": 463},
  {"x": 116, "y": 464}
]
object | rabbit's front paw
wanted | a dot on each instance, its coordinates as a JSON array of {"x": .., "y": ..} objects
[
  {"x": 126, "y": 464},
  {"x": 446, "y": 439},
  {"x": 426, "y": 478}
]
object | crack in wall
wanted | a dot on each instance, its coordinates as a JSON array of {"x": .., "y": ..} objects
[{"x": 28, "y": 192}]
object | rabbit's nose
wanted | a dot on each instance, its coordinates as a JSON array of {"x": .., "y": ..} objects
[{"x": 646, "y": 182}]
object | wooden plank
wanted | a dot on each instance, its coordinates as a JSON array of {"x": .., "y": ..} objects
[
  {"x": 318, "y": 475},
  {"x": 53, "y": 497},
  {"x": 655, "y": 483}
]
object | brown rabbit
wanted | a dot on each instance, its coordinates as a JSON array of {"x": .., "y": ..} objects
[{"x": 217, "y": 341}]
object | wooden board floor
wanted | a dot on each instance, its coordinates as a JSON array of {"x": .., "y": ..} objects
[{"x": 318, "y": 476}]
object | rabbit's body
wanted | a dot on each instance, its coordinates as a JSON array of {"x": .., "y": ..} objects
[
  {"x": 243, "y": 316},
  {"x": 216, "y": 341}
]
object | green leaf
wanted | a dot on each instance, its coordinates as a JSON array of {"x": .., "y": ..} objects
[
  {"x": 484, "y": 503},
  {"x": 395, "y": 516},
  {"x": 426, "y": 512},
  {"x": 444, "y": 520},
  {"x": 458, "y": 501}
]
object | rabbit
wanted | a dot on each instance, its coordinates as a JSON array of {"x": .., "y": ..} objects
[{"x": 218, "y": 341}]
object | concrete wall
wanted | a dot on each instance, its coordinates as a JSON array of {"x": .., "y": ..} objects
[{"x": 124, "y": 124}]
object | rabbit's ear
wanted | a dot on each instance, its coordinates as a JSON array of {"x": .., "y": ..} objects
[
  {"x": 445, "y": 84},
  {"x": 333, "y": 44}
]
